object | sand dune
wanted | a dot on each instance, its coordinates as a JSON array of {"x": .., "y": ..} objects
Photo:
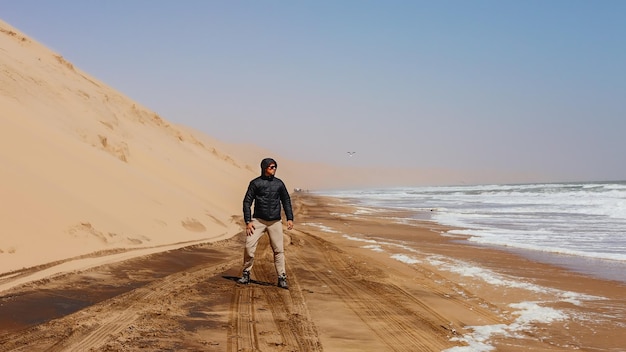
[{"x": 86, "y": 169}]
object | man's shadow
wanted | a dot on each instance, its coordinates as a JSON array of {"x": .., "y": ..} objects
[{"x": 256, "y": 282}]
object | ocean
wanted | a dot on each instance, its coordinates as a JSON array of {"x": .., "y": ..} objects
[{"x": 580, "y": 226}]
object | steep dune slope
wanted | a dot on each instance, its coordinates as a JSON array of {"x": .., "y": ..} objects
[{"x": 84, "y": 168}]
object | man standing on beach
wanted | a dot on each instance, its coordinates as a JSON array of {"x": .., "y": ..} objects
[{"x": 268, "y": 193}]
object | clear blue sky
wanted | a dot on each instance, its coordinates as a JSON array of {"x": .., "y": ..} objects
[{"x": 513, "y": 86}]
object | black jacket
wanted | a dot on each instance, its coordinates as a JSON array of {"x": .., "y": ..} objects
[{"x": 267, "y": 193}]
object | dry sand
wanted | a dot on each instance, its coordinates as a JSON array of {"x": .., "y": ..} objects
[
  {"x": 85, "y": 169},
  {"x": 343, "y": 297}
]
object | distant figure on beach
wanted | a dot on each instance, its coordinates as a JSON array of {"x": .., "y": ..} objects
[{"x": 268, "y": 194}]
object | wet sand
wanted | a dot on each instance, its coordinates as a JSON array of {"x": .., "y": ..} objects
[{"x": 346, "y": 294}]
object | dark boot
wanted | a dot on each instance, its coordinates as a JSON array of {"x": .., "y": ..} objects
[
  {"x": 282, "y": 281},
  {"x": 245, "y": 278}
]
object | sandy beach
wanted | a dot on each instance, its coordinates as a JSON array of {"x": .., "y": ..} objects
[{"x": 343, "y": 297}]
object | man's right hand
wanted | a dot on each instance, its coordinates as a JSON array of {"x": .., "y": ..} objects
[{"x": 249, "y": 228}]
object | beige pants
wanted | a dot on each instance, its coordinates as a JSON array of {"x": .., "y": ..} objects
[{"x": 275, "y": 231}]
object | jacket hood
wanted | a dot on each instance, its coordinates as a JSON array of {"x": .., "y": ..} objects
[{"x": 265, "y": 163}]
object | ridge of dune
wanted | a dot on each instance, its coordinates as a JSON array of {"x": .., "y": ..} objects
[{"x": 86, "y": 169}]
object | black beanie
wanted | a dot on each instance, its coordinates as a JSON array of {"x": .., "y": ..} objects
[{"x": 267, "y": 162}]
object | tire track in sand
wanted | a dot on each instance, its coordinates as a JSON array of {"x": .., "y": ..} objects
[
  {"x": 278, "y": 317},
  {"x": 399, "y": 319},
  {"x": 242, "y": 331},
  {"x": 120, "y": 316},
  {"x": 95, "y": 330}
]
